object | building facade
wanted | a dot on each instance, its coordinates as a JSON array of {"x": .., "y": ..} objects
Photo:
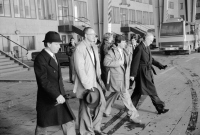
[
  {"x": 25, "y": 22},
  {"x": 130, "y": 16}
]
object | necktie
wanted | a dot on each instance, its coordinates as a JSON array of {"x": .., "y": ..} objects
[{"x": 54, "y": 57}]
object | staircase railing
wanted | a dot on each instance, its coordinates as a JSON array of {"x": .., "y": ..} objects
[
  {"x": 70, "y": 18},
  {"x": 15, "y": 55},
  {"x": 126, "y": 23}
]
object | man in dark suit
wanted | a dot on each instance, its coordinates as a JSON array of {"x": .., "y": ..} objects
[
  {"x": 52, "y": 108},
  {"x": 141, "y": 72}
]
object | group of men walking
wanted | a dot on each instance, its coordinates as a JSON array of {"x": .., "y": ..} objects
[{"x": 119, "y": 66}]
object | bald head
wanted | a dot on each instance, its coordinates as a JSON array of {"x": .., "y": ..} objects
[
  {"x": 89, "y": 34},
  {"x": 149, "y": 39}
]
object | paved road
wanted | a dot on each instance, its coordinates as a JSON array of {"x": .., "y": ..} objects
[{"x": 178, "y": 86}]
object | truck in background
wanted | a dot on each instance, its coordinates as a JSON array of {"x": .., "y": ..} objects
[{"x": 177, "y": 35}]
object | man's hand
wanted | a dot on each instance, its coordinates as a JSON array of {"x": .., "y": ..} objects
[
  {"x": 132, "y": 78},
  {"x": 92, "y": 89},
  {"x": 60, "y": 99},
  {"x": 163, "y": 67}
]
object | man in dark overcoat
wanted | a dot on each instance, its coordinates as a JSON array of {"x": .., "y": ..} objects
[
  {"x": 52, "y": 108},
  {"x": 141, "y": 71}
]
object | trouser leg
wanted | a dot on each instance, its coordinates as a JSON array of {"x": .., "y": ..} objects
[
  {"x": 159, "y": 104},
  {"x": 135, "y": 97},
  {"x": 110, "y": 101},
  {"x": 85, "y": 120},
  {"x": 99, "y": 112},
  {"x": 40, "y": 130},
  {"x": 70, "y": 72},
  {"x": 125, "y": 96},
  {"x": 69, "y": 128}
]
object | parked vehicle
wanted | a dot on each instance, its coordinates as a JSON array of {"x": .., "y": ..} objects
[
  {"x": 153, "y": 45},
  {"x": 177, "y": 36},
  {"x": 61, "y": 55}
]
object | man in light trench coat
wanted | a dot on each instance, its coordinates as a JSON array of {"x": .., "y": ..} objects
[{"x": 87, "y": 76}]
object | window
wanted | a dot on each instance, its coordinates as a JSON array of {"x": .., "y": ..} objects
[
  {"x": 150, "y": 2},
  {"x": 198, "y": 16},
  {"x": 24, "y": 8},
  {"x": 139, "y": 16},
  {"x": 131, "y": 16},
  {"x": 28, "y": 42},
  {"x": 182, "y": 16},
  {"x": 171, "y": 16},
  {"x": 181, "y": 6},
  {"x": 5, "y": 8},
  {"x": 47, "y": 9},
  {"x": 115, "y": 15},
  {"x": 198, "y": 3},
  {"x": 139, "y": 1},
  {"x": 171, "y": 5},
  {"x": 4, "y": 44},
  {"x": 80, "y": 10},
  {"x": 64, "y": 14},
  {"x": 145, "y": 17},
  {"x": 151, "y": 18},
  {"x": 124, "y": 16}
]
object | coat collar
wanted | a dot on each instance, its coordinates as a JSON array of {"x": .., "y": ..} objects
[
  {"x": 145, "y": 48},
  {"x": 49, "y": 60},
  {"x": 125, "y": 57},
  {"x": 96, "y": 56}
]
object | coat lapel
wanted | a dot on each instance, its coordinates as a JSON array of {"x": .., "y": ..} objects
[
  {"x": 122, "y": 66},
  {"x": 50, "y": 60},
  {"x": 145, "y": 48}
]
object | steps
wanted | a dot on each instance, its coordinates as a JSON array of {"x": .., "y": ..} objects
[{"x": 10, "y": 65}]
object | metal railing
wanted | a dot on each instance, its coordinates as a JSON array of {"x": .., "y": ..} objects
[
  {"x": 16, "y": 55},
  {"x": 68, "y": 19},
  {"x": 126, "y": 23}
]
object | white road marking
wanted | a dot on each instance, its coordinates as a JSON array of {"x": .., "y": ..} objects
[
  {"x": 190, "y": 59},
  {"x": 167, "y": 70}
]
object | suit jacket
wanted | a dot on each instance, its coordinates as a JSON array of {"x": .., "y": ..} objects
[
  {"x": 141, "y": 69},
  {"x": 85, "y": 74},
  {"x": 50, "y": 86},
  {"x": 119, "y": 74}
]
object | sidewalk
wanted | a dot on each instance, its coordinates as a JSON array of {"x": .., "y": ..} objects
[{"x": 17, "y": 102}]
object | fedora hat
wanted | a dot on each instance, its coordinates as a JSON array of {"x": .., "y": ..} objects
[
  {"x": 92, "y": 98},
  {"x": 52, "y": 36}
]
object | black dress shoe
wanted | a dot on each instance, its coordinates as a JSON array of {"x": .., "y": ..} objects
[
  {"x": 163, "y": 111},
  {"x": 98, "y": 132}
]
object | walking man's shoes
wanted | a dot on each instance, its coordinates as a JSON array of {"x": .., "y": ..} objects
[
  {"x": 163, "y": 111},
  {"x": 98, "y": 132}
]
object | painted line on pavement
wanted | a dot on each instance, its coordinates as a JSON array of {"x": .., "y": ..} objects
[
  {"x": 111, "y": 121},
  {"x": 190, "y": 59},
  {"x": 125, "y": 119},
  {"x": 167, "y": 70}
]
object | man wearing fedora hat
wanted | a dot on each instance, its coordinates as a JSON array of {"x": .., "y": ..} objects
[
  {"x": 52, "y": 108},
  {"x": 88, "y": 86}
]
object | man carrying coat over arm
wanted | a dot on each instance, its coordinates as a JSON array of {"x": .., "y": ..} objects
[
  {"x": 87, "y": 80},
  {"x": 52, "y": 108},
  {"x": 141, "y": 71}
]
